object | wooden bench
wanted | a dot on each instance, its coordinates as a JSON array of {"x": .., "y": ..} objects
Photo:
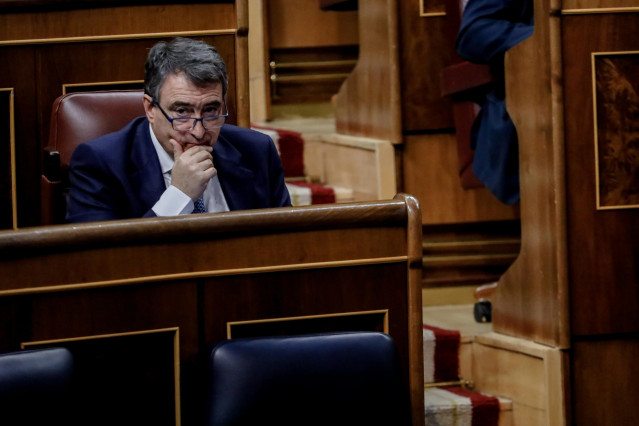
[{"x": 140, "y": 303}]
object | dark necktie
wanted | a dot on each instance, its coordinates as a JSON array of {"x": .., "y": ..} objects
[{"x": 199, "y": 206}]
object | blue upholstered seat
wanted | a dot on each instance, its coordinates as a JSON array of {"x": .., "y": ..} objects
[
  {"x": 35, "y": 386},
  {"x": 345, "y": 378}
]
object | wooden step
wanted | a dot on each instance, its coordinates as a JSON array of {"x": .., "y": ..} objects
[{"x": 527, "y": 377}]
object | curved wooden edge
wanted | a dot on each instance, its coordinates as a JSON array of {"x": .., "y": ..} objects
[
  {"x": 415, "y": 340},
  {"x": 371, "y": 107},
  {"x": 486, "y": 291},
  {"x": 39, "y": 240},
  {"x": 532, "y": 301}
]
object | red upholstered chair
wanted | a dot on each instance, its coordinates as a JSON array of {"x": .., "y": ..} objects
[{"x": 76, "y": 118}]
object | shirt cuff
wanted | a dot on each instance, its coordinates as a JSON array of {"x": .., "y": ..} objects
[{"x": 173, "y": 202}]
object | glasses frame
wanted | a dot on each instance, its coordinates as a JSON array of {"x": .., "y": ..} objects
[{"x": 195, "y": 120}]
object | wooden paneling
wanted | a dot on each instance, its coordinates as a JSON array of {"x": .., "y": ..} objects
[
  {"x": 604, "y": 393},
  {"x": 597, "y": 4},
  {"x": 116, "y": 21},
  {"x": 431, "y": 175},
  {"x": 301, "y": 23},
  {"x": 603, "y": 245},
  {"x": 532, "y": 376},
  {"x": 532, "y": 300},
  {"x": 197, "y": 274},
  {"x": 20, "y": 77},
  {"x": 361, "y": 164},
  {"x": 424, "y": 50},
  {"x": 368, "y": 103}
]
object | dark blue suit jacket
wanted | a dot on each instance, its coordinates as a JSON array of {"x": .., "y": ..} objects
[
  {"x": 488, "y": 29},
  {"x": 118, "y": 176}
]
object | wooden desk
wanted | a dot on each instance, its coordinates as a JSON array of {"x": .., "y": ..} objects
[{"x": 141, "y": 303}]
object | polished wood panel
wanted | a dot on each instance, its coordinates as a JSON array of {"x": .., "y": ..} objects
[
  {"x": 368, "y": 103},
  {"x": 584, "y": 5},
  {"x": 198, "y": 274},
  {"x": 301, "y": 23},
  {"x": 109, "y": 21},
  {"x": 574, "y": 283},
  {"x": 532, "y": 300},
  {"x": 603, "y": 245},
  {"x": 20, "y": 77},
  {"x": 604, "y": 392},
  {"x": 431, "y": 174},
  {"x": 424, "y": 51}
]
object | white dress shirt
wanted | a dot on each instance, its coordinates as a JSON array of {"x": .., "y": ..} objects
[{"x": 174, "y": 202}]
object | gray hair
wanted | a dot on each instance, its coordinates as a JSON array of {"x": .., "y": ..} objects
[{"x": 199, "y": 61}]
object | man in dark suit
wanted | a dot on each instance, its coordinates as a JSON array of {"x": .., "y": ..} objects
[
  {"x": 488, "y": 29},
  {"x": 181, "y": 157}
]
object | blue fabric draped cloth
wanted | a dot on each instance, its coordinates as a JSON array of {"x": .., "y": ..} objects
[{"x": 489, "y": 28}]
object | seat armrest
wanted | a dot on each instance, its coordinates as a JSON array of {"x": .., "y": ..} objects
[
  {"x": 464, "y": 76},
  {"x": 51, "y": 168}
]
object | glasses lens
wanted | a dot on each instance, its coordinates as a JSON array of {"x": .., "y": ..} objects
[
  {"x": 213, "y": 122},
  {"x": 182, "y": 123}
]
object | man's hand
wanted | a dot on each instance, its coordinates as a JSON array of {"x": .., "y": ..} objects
[{"x": 193, "y": 169}]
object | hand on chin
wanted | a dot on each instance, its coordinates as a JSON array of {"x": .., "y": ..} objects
[{"x": 188, "y": 145}]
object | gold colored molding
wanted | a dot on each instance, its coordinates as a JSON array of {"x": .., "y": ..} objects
[
  {"x": 307, "y": 317},
  {"x": 202, "y": 274},
  {"x": 117, "y": 37},
  {"x": 176, "y": 354},
  {"x": 424, "y": 14},
  {"x": 598, "y": 11},
  {"x": 12, "y": 146},
  {"x": 98, "y": 83}
]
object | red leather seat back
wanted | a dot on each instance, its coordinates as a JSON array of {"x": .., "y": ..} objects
[{"x": 79, "y": 117}]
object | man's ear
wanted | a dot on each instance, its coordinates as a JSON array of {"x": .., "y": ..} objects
[{"x": 148, "y": 108}]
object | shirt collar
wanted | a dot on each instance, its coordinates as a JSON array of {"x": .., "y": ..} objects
[{"x": 166, "y": 162}]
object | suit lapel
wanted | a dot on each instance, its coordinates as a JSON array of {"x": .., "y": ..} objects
[
  {"x": 236, "y": 180},
  {"x": 146, "y": 175}
]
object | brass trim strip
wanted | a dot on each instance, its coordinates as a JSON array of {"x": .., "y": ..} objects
[
  {"x": 12, "y": 157},
  {"x": 202, "y": 274},
  {"x": 593, "y": 77},
  {"x": 176, "y": 355},
  {"x": 424, "y": 14},
  {"x": 24, "y": 345},
  {"x": 312, "y": 64},
  {"x": 97, "y": 83},
  {"x": 595, "y": 11},
  {"x": 176, "y": 369},
  {"x": 469, "y": 243},
  {"x": 309, "y": 77},
  {"x": 463, "y": 383},
  {"x": 116, "y": 37},
  {"x": 431, "y": 14},
  {"x": 229, "y": 324}
]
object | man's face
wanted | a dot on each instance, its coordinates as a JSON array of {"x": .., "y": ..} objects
[{"x": 181, "y": 98}]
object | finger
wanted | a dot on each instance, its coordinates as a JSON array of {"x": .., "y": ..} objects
[
  {"x": 202, "y": 156},
  {"x": 177, "y": 149}
]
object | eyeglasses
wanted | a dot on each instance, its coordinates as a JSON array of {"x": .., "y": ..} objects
[{"x": 187, "y": 124}]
